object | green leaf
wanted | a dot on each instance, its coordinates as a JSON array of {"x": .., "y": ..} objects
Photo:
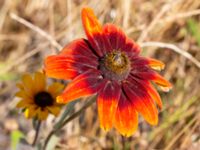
[
  {"x": 194, "y": 29},
  {"x": 68, "y": 110},
  {"x": 16, "y": 135}
]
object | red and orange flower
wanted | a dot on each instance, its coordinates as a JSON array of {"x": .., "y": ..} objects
[{"x": 108, "y": 63}]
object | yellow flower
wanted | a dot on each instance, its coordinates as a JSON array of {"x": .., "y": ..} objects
[{"x": 38, "y": 99}]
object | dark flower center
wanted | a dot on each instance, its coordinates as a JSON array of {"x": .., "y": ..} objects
[
  {"x": 115, "y": 65},
  {"x": 43, "y": 99}
]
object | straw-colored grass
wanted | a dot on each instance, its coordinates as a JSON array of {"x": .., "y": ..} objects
[{"x": 168, "y": 30}]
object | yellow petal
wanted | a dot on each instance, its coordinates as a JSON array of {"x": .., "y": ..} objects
[
  {"x": 60, "y": 100},
  {"x": 23, "y": 94},
  {"x": 30, "y": 112},
  {"x": 23, "y": 104},
  {"x": 20, "y": 86},
  {"x": 165, "y": 89},
  {"x": 39, "y": 81},
  {"x": 54, "y": 110},
  {"x": 28, "y": 83},
  {"x": 55, "y": 89},
  {"x": 42, "y": 114},
  {"x": 156, "y": 64}
]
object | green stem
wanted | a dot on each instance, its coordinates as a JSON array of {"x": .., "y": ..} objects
[
  {"x": 48, "y": 139},
  {"x": 76, "y": 114},
  {"x": 68, "y": 110},
  {"x": 37, "y": 130}
]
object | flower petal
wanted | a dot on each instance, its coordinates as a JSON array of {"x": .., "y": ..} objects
[
  {"x": 56, "y": 66},
  {"x": 39, "y": 82},
  {"x": 115, "y": 35},
  {"x": 93, "y": 29},
  {"x": 30, "y": 112},
  {"x": 154, "y": 94},
  {"x": 85, "y": 84},
  {"x": 150, "y": 90},
  {"x": 156, "y": 64},
  {"x": 68, "y": 66},
  {"x": 55, "y": 89},
  {"x": 24, "y": 95},
  {"x": 28, "y": 83},
  {"x": 42, "y": 114},
  {"x": 23, "y": 104},
  {"x": 147, "y": 74},
  {"x": 141, "y": 101},
  {"x": 54, "y": 110},
  {"x": 153, "y": 63},
  {"x": 131, "y": 48},
  {"x": 126, "y": 118},
  {"x": 107, "y": 104},
  {"x": 79, "y": 47},
  {"x": 20, "y": 86}
]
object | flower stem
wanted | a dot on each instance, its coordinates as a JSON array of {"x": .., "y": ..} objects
[
  {"x": 48, "y": 139},
  {"x": 74, "y": 115},
  {"x": 37, "y": 130}
]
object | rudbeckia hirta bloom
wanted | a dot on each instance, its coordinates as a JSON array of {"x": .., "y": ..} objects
[
  {"x": 108, "y": 63},
  {"x": 38, "y": 99}
]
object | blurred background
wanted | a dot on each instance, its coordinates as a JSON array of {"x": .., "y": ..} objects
[{"x": 32, "y": 29}]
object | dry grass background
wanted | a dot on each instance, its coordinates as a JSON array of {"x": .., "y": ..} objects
[{"x": 32, "y": 29}]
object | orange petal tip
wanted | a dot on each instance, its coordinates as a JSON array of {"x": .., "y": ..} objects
[
  {"x": 86, "y": 10},
  {"x": 127, "y": 134},
  {"x": 105, "y": 128},
  {"x": 159, "y": 68},
  {"x": 154, "y": 122},
  {"x": 166, "y": 89},
  {"x": 156, "y": 64},
  {"x": 90, "y": 22},
  {"x": 59, "y": 99}
]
